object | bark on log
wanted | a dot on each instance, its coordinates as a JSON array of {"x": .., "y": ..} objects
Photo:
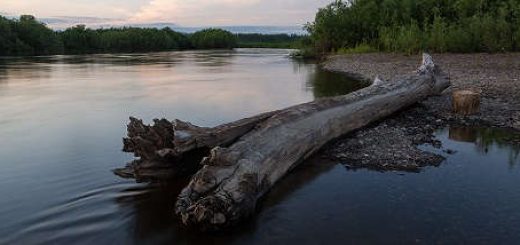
[
  {"x": 465, "y": 102},
  {"x": 233, "y": 178},
  {"x": 168, "y": 150}
]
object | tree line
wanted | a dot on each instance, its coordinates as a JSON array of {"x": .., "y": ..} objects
[
  {"x": 412, "y": 26},
  {"x": 27, "y": 36},
  {"x": 270, "y": 40}
]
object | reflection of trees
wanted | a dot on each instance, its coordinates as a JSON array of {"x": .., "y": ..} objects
[
  {"x": 165, "y": 58},
  {"x": 3, "y": 70},
  {"x": 484, "y": 138},
  {"x": 325, "y": 83},
  {"x": 28, "y": 68},
  {"x": 502, "y": 139},
  {"x": 213, "y": 58},
  {"x": 3, "y": 74}
]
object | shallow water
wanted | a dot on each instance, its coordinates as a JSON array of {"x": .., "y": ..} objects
[{"x": 62, "y": 119}]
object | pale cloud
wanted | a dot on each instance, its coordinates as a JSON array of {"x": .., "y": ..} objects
[
  {"x": 93, "y": 8},
  {"x": 188, "y": 11},
  {"x": 230, "y": 12},
  {"x": 182, "y": 12}
]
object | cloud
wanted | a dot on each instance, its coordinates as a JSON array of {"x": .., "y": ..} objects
[
  {"x": 63, "y": 22},
  {"x": 182, "y": 12},
  {"x": 93, "y": 8},
  {"x": 188, "y": 10},
  {"x": 232, "y": 12}
]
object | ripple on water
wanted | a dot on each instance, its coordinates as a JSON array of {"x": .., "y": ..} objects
[{"x": 79, "y": 217}]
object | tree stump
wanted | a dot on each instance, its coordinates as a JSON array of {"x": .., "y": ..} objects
[{"x": 465, "y": 102}]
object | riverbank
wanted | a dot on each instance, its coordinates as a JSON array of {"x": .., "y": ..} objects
[{"x": 392, "y": 144}]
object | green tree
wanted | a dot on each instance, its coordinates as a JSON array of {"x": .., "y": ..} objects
[
  {"x": 213, "y": 39},
  {"x": 79, "y": 39},
  {"x": 42, "y": 40}
]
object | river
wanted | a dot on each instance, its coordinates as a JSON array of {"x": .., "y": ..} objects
[{"x": 62, "y": 119}]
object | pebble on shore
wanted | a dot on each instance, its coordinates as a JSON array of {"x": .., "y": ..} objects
[{"x": 392, "y": 144}]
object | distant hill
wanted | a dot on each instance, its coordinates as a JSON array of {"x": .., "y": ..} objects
[{"x": 248, "y": 29}]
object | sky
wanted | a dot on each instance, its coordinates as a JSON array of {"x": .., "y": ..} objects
[{"x": 180, "y": 12}]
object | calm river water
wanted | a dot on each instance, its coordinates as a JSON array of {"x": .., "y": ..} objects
[{"x": 62, "y": 119}]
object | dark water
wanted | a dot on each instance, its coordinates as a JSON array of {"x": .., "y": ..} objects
[{"x": 62, "y": 119}]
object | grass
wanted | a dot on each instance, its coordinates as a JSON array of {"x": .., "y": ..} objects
[{"x": 359, "y": 49}]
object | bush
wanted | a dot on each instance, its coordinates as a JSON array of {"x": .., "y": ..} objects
[
  {"x": 213, "y": 39},
  {"x": 305, "y": 53},
  {"x": 437, "y": 35}
]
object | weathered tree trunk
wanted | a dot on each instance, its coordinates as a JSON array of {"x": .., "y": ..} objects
[
  {"x": 168, "y": 150},
  {"x": 465, "y": 102},
  {"x": 233, "y": 178}
]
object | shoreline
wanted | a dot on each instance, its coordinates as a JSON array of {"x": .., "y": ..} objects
[{"x": 392, "y": 144}]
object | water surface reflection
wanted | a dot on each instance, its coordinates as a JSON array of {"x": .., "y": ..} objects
[
  {"x": 63, "y": 117},
  {"x": 485, "y": 139}
]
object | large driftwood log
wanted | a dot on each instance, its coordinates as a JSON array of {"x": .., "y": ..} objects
[
  {"x": 233, "y": 178},
  {"x": 167, "y": 149}
]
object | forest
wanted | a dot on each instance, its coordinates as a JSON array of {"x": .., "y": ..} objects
[
  {"x": 27, "y": 36},
  {"x": 411, "y": 26}
]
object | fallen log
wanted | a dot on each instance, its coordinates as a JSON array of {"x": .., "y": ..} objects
[
  {"x": 226, "y": 189},
  {"x": 167, "y": 150}
]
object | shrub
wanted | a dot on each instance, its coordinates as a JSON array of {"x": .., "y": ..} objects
[{"x": 213, "y": 39}]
